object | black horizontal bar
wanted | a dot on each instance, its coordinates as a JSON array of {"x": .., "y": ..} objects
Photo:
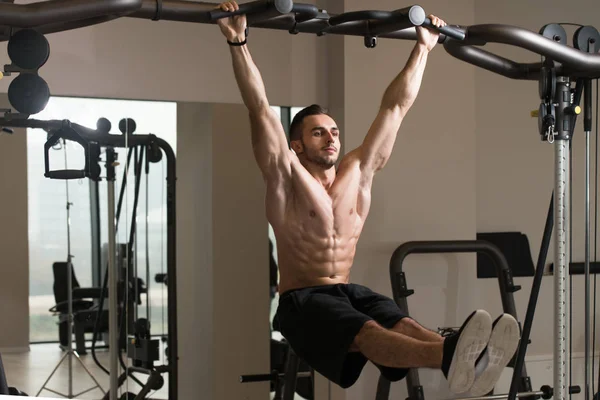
[
  {"x": 456, "y": 246},
  {"x": 64, "y": 26},
  {"x": 62, "y": 15},
  {"x": 574, "y": 63},
  {"x": 88, "y": 134},
  {"x": 359, "y": 16},
  {"x": 304, "y": 18},
  {"x": 399, "y": 20},
  {"x": 255, "y": 7},
  {"x": 32, "y": 15},
  {"x": 65, "y": 174},
  {"x": 176, "y": 10},
  {"x": 258, "y": 378},
  {"x": 305, "y": 12},
  {"x": 578, "y": 268},
  {"x": 447, "y": 30},
  {"x": 59, "y": 15},
  {"x": 486, "y": 60}
]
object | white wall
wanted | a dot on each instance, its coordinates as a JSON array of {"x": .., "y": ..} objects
[
  {"x": 14, "y": 247},
  {"x": 241, "y": 263},
  {"x": 195, "y": 294}
]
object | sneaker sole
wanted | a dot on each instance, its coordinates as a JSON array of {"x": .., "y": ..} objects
[
  {"x": 502, "y": 346},
  {"x": 473, "y": 339}
]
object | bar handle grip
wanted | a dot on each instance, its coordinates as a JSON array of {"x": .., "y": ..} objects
[
  {"x": 65, "y": 174},
  {"x": 282, "y": 6},
  {"x": 447, "y": 30}
]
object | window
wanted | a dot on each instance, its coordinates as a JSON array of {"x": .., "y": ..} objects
[
  {"x": 48, "y": 212},
  {"x": 294, "y": 111}
]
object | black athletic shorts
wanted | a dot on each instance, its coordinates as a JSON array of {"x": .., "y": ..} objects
[{"x": 320, "y": 324}]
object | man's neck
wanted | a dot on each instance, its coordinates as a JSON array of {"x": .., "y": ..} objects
[{"x": 324, "y": 176}]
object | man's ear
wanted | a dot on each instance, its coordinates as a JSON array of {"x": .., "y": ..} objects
[{"x": 296, "y": 145}]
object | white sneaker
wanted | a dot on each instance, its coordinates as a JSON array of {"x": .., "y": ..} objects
[
  {"x": 501, "y": 348},
  {"x": 473, "y": 337}
]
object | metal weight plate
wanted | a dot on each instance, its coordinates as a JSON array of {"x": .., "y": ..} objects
[
  {"x": 586, "y": 37},
  {"x": 103, "y": 125},
  {"x": 554, "y": 32},
  {"x": 28, "y": 93},
  {"x": 28, "y": 49},
  {"x": 127, "y": 125}
]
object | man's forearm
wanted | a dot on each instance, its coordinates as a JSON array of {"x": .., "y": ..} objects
[
  {"x": 403, "y": 90},
  {"x": 248, "y": 79}
]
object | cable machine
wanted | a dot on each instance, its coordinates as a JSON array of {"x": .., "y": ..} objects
[
  {"x": 141, "y": 348},
  {"x": 562, "y": 66}
]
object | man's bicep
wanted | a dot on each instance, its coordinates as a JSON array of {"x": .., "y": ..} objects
[
  {"x": 377, "y": 146},
  {"x": 270, "y": 147},
  {"x": 269, "y": 142}
]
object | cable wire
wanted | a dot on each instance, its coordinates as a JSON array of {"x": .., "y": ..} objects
[{"x": 595, "y": 244}]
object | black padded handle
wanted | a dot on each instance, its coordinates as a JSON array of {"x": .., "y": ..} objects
[
  {"x": 87, "y": 293},
  {"x": 65, "y": 174},
  {"x": 254, "y": 7},
  {"x": 446, "y": 30},
  {"x": 257, "y": 378},
  {"x": 574, "y": 389}
]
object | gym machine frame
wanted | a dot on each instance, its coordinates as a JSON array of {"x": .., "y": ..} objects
[
  {"x": 401, "y": 292},
  {"x": 91, "y": 141},
  {"x": 557, "y": 115}
]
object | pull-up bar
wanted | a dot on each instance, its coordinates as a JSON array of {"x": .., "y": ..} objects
[
  {"x": 301, "y": 18},
  {"x": 573, "y": 62},
  {"x": 33, "y": 15},
  {"x": 561, "y": 66},
  {"x": 61, "y": 15}
]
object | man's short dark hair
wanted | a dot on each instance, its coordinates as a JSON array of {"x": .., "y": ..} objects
[{"x": 296, "y": 126}]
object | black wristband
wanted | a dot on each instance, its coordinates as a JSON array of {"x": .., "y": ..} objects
[{"x": 238, "y": 43}]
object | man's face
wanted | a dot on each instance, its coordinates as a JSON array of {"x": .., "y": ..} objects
[{"x": 320, "y": 140}]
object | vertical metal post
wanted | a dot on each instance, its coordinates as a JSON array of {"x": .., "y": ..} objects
[
  {"x": 70, "y": 290},
  {"x": 588, "y": 328},
  {"x": 113, "y": 328},
  {"x": 587, "y": 119},
  {"x": 561, "y": 239},
  {"x": 561, "y": 288},
  {"x": 95, "y": 234}
]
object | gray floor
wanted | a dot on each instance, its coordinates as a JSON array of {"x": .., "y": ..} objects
[{"x": 29, "y": 371}]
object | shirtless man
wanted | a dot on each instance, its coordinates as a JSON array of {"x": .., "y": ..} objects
[{"x": 317, "y": 214}]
